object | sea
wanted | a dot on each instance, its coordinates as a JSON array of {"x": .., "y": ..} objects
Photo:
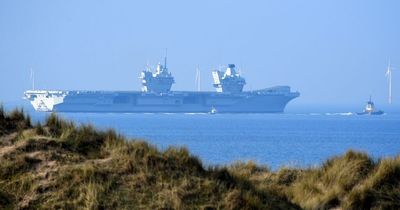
[{"x": 290, "y": 139}]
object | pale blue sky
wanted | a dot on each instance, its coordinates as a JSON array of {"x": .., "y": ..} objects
[{"x": 333, "y": 52}]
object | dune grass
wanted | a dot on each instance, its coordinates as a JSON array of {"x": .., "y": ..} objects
[{"x": 59, "y": 165}]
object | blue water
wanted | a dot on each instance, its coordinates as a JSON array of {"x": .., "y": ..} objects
[{"x": 271, "y": 139}]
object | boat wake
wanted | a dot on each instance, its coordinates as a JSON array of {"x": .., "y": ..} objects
[
  {"x": 341, "y": 113},
  {"x": 327, "y": 114},
  {"x": 194, "y": 113}
]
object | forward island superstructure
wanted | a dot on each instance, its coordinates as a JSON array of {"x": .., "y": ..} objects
[{"x": 156, "y": 97}]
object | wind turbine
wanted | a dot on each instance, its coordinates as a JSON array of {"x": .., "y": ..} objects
[
  {"x": 389, "y": 76},
  {"x": 198, "y": 78},
  {"x": 33, "y": 79}
]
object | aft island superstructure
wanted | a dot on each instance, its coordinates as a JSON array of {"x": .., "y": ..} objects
[{"x": 156, "y": 96}]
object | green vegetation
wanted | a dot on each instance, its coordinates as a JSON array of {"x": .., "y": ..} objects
[{"x": 59, "y": 165}]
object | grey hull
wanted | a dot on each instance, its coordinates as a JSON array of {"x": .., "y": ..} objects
[
  {"x": 178, "y": 102},
  {"x": 272, "y": 100}
]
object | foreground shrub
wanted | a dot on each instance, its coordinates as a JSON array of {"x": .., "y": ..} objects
[
  {"x": 59, "y": 165},
  {"x": 13, "y": 121},
  {"x": 327, "y": 187},
  {"x": 381, "y": 190}
]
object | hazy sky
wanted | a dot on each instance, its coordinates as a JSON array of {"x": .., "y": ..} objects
[{"x": 334, "y": 52}]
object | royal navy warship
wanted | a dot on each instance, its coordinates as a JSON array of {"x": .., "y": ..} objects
[{"x": 156, "y": 96}]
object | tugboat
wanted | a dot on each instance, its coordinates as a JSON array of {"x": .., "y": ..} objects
[{"x": 370, "y": 109}]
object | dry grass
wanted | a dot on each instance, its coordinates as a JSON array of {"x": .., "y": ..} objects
[
  {"x": 59, "y": 165},
  {"x": 13, "y": 121}
]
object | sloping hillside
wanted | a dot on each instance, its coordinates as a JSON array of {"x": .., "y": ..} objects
[{"x": 59, "y": 165}]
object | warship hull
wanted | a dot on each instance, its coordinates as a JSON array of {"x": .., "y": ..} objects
[{"x": 270, "y": 100}]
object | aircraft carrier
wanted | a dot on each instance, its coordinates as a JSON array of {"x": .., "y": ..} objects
[{"x": 156, "y": 97}]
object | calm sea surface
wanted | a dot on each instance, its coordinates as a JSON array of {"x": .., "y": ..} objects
[{"x": 271, "y": 139}]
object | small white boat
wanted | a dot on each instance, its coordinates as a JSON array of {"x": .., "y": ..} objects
[{"x": 213, "y": 110}]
